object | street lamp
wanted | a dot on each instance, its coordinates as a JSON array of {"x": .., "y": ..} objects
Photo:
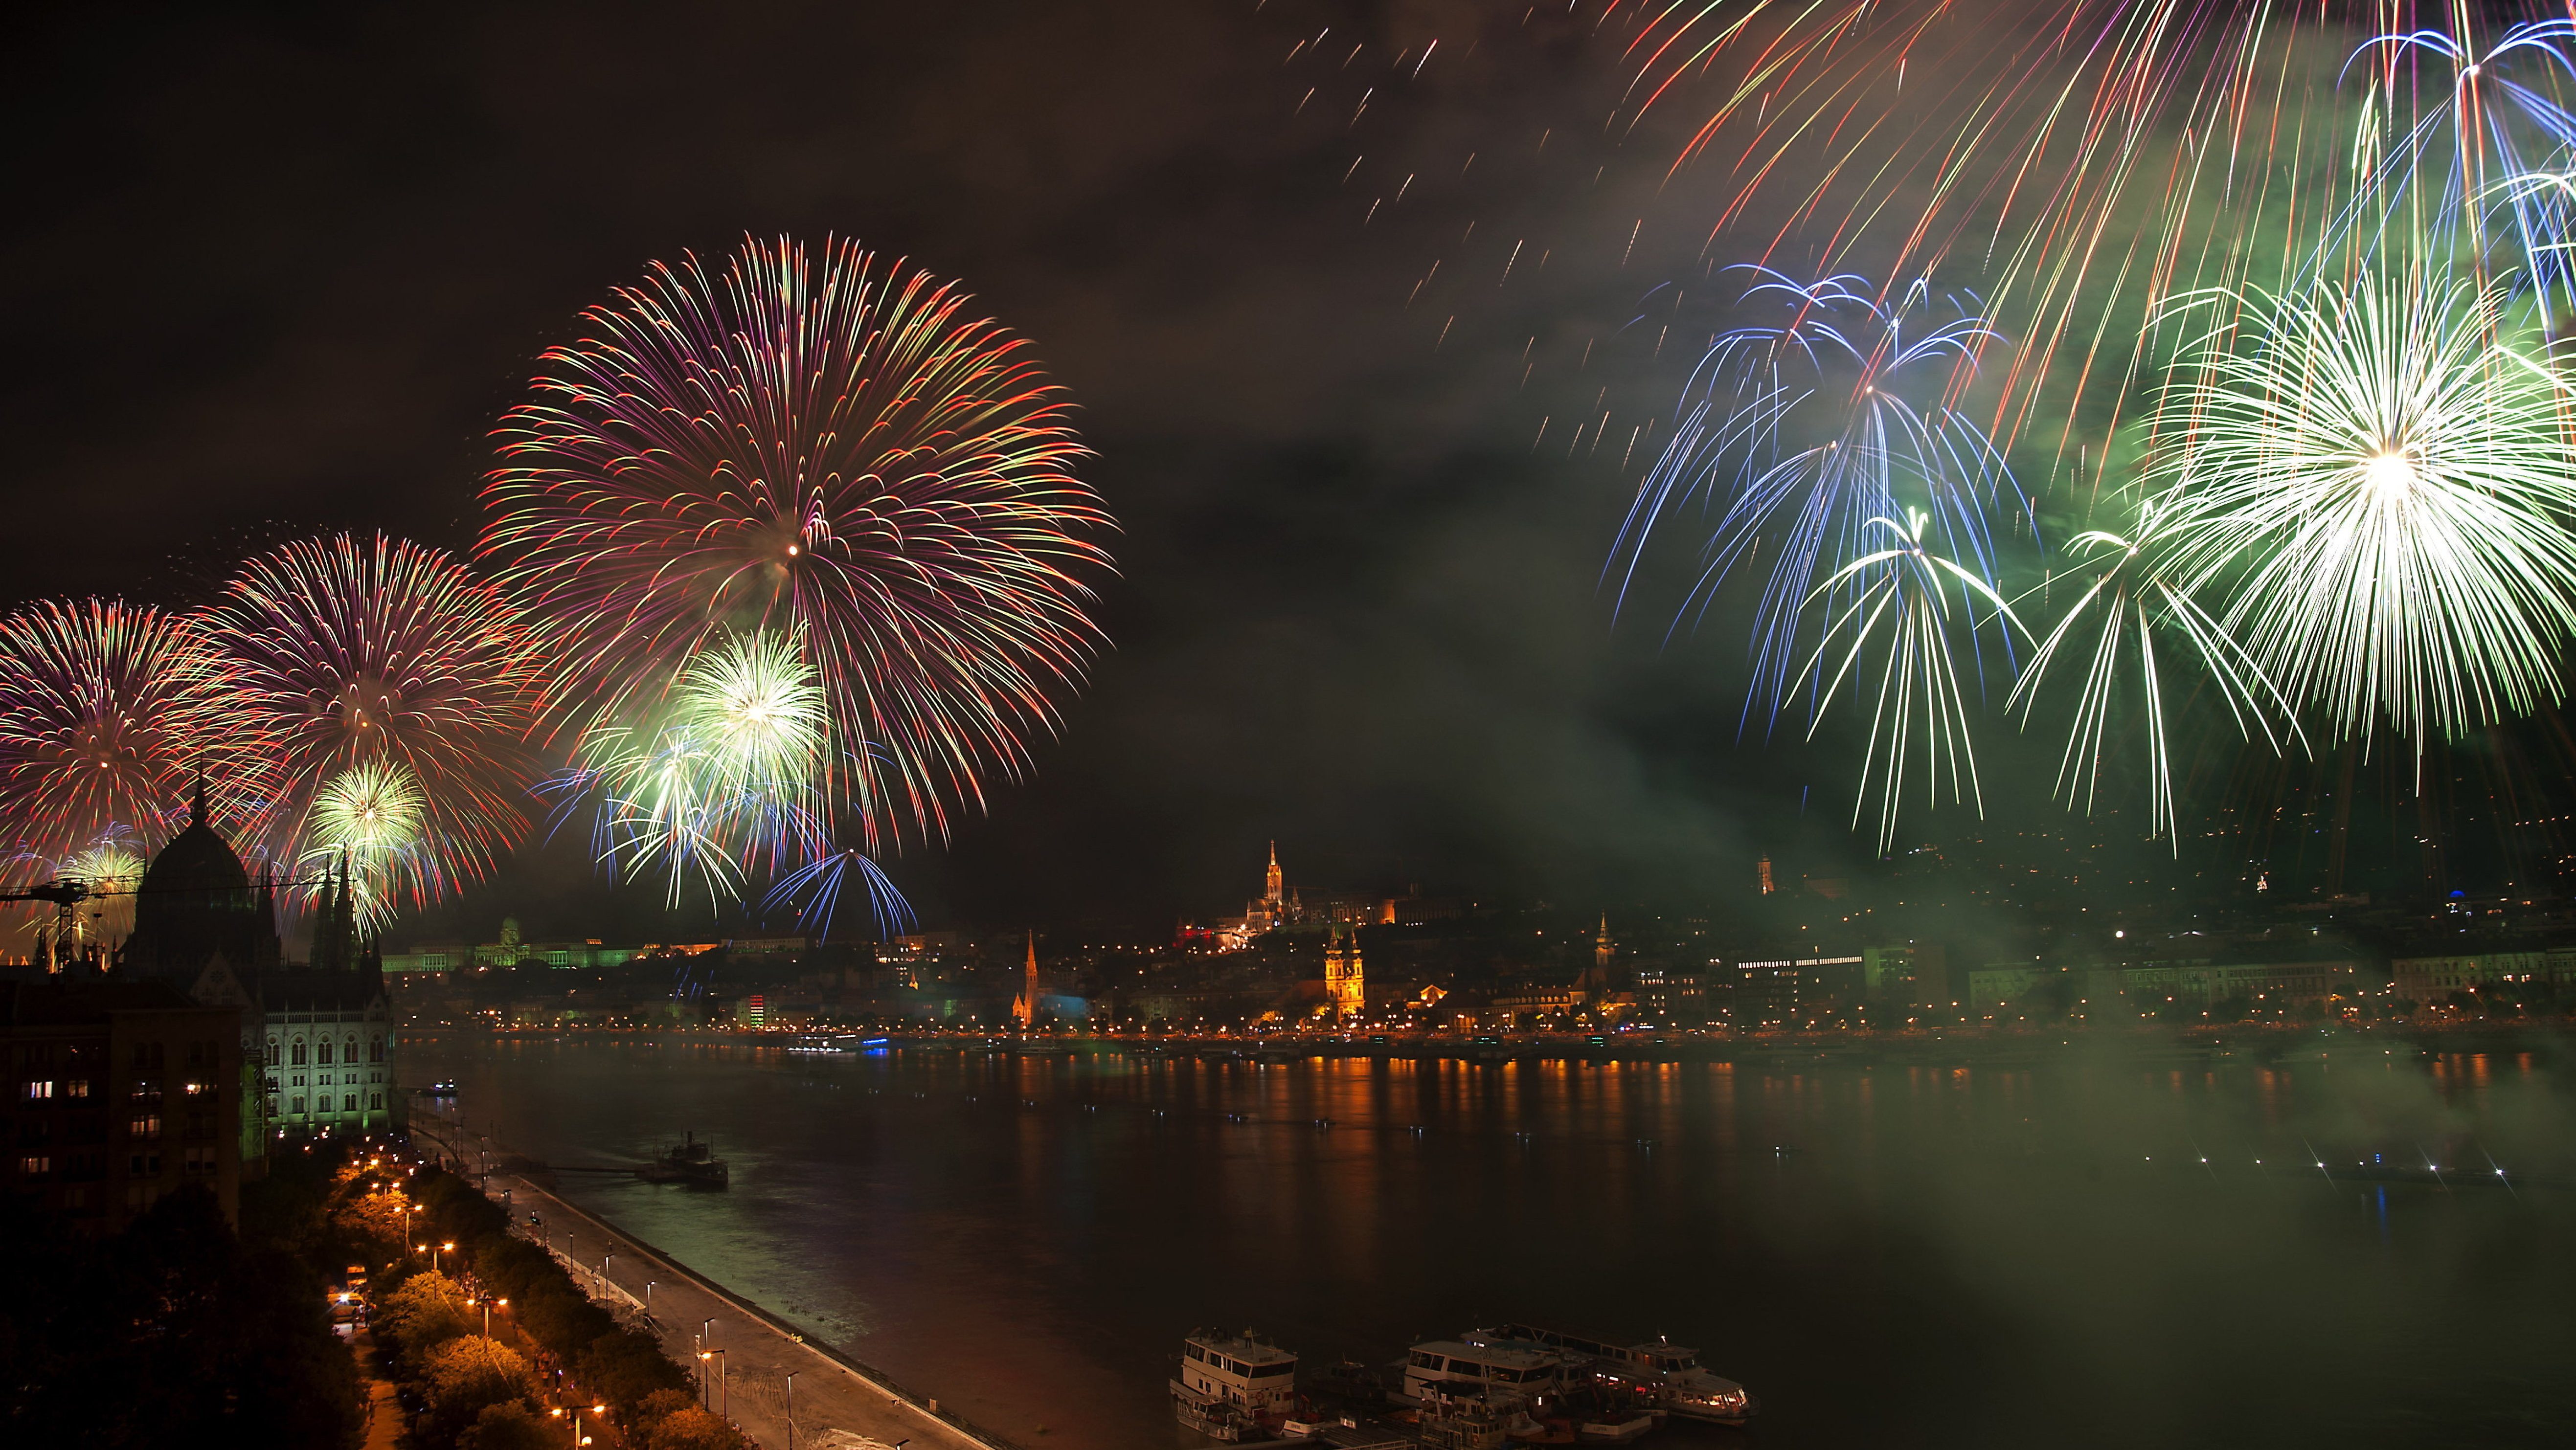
[
  {"x": 435, "y": 1261},
  {"x": 791, "y": 1410},
  {"x": 487, "y": 1315},
  {"x": 724, "y": 1384},
  {"x": 648, "y": 1301},
  {"x": 573, "y": 1416}
]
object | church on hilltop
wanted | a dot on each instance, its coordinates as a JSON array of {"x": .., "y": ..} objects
[{"x": 318, "y": 1045}]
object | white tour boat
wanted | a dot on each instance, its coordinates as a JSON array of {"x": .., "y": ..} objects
[
  {"x": 1449, "y": 1366},
  {"x": 1234, "y": 1387}
]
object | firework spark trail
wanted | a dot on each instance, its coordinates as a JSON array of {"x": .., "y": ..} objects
[
  {"x": 2474, "y": 152},
  {"x": 340, "y": 652},
  {"x": 2375, "y": 490},
  {"x": 1816, "y": 463},
  {"x": 814, "y": 890},
  {"x": 2127, "y": 607},
  {"x": 2090, "y": 159},
  {"x": 822, "y": 446},
  {"x": 106, "y": 712},
  {"x": 1901, "y": 607}
]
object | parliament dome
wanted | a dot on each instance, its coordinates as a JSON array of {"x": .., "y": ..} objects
[{"x": 196, "y": 903}]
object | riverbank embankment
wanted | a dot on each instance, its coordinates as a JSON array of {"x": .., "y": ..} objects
[{"x": 752, "y": 1352}]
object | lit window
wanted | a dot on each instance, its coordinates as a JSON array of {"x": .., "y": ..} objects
[{"x": 37, "y": 1092}]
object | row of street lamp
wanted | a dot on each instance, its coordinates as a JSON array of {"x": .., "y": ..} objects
[{"x": 715, "y": 1383}]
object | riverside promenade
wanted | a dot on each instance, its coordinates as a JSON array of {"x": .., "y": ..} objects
[{"x": 839, "y": 1404}]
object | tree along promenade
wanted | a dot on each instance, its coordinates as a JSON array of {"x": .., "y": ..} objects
[{"x": 751, "y": 1351}]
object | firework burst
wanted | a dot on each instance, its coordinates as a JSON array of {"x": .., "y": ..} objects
[
  {"x": 345, "y": 654},
  {"x": 2379, "y": 490},
  {"x": 824, "y": 448},
  {"x": 1806, "y": 437},
  {"x": 370, "y": 819},
  {"x": 723, "y": 781},
  {"x": 106, "y": 711}
]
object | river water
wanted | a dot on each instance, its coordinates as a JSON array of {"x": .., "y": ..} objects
[{"x": 2099, "y": 1250}]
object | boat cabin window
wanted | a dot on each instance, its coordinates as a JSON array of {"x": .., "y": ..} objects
[
  {"x": 1425, "y": 1361},
  {"x": 1196, "y": 1353},
  {"x": 1681, "y": 1361},
  {"x": 1281, "y": 1370}
]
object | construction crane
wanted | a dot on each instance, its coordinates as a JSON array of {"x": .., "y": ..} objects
[{"x": 66, "y": 895}]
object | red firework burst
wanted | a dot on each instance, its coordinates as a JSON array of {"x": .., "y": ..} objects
[
  {"x": 340, "y": 651},
  {"x": 106, "y": 712}
]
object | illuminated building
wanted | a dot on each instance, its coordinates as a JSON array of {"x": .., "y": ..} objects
[
  {"x": 1345, "y": 982},
  {"x": 1764, "y": 870},
  {"x": 1024, "y": 1008},
  {"x": 1671, "y": 996}
]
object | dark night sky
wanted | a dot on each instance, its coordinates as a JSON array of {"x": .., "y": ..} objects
[
  {"x": 280, "y": 273},
  {"x": 285, "y": 272}
]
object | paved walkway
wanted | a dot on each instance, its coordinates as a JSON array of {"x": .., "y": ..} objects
[
  {"x": 384, "y": 1412},
  {"x": 837, "y": 1403}
]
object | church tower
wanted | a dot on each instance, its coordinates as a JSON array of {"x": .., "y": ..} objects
[
  {"x": 1273, "y": 887},
  {"x": 1345, "y": 982},
  {"x": 1601, "y": 949},
  {"x": 1025, "y": 1010}
]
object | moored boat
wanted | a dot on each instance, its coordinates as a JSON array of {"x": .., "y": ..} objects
[
  {"x": 1667, "y": 1373},
  {"x": 1234, "y": 1387},
  {"x": 1448, "y": 1366}
]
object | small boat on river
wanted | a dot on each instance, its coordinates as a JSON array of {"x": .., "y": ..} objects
[{"x": 690, "y": 1162}]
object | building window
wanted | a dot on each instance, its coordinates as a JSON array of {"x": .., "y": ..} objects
[
  {"x": 299, "y": 1052},
  {"x": 299, "y": 1105},
  {"x": 272, "y": 1052},
  {"x": 376, "y": 1101},
  {"x": 147, "y": 1055},
  {"x": 200, "y": 1162},
  {"x": 144, "y": 1125},
  {"x": 36, "y": 1166},
  {"x": 322, "y": 1051},
  {"x": 147, "y": 1165},
  {"x": 37, "y": 1092},
  {"x": 76, "y": 1088},
  {"x": 322, "y": 1104},
  {"x": 351, "y": 1055},
  {"x": 375, "y": 1049}
]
